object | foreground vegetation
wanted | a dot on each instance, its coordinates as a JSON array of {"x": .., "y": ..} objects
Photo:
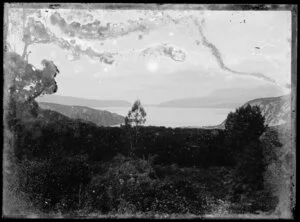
[{"x": 73, "y": 167}]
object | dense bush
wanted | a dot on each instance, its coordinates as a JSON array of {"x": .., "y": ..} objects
[
  {"x": 245, "y": 124},
  {"x": 54, "y": 183},
  {"x": 131, "y": 186},
  {"x": 51, "y": 133},
  {"x": 243, "y": 129},
  {"x": 67, "y": 164}
]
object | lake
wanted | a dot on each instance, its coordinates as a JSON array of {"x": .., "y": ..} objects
[{"x": 177, "y": 117}]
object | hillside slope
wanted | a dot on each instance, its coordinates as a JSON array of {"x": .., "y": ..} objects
[
  {"x": 99, "y": 117},
  {"x": 276, "y": 110}
]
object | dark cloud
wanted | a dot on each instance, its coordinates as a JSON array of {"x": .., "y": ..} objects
[
  {"x": 172, "y": 52},
  {"x": 95, "y": 30},
  {"x": 86, "y": 31},
  {"x": 36, "y": 32},
  {"x": 77, "y": 51},
  {"x": 175, "y": 54}
]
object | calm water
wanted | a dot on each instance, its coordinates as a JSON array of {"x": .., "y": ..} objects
[{"x": 178, "y": 117}]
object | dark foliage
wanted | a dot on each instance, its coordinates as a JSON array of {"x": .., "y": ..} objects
[
  {"x": 245, "y": 124},
  {"x": 243, "y": 129},
  {"x": 131, "y": 185},
  {"x": 50, "y": 133},
  {"x": 21, "y": 75},
  {"x": 54, "y": 182},
  {"x": 69, "y": 165}
]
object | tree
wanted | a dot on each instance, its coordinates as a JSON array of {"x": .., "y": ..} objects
[
  {"x": 245, "y": 124},
  {"x": 26, "y": 82},
  {"x": 135, "y": 118},
  {"x": 244, "y": 128},
  {"x": 137, "y": 115}
]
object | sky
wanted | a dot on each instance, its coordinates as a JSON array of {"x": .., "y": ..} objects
[{"x": 156, "y": 55}]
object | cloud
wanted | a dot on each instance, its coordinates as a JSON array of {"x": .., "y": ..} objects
[
  {"x": 172, "y": 52},
  {"x": 95, "y": 30},
  {"x": 38, "y": 31},
  {"x": 35, "y": 31}
]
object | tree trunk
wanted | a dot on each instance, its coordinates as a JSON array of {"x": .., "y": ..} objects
[
  {"x": 25, "y": 51},
  {"x": 136, "y": 135},
  {"x": 5, "y": 30},
  {"x": 130, "y": 140}
]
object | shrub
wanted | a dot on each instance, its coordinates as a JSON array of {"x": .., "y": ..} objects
[
  {"x": 243, "y": 128},
  {"x": 245, "y": 124},
  {"x": 49, "y": 183},
  {"x": 131, "y": 186}
]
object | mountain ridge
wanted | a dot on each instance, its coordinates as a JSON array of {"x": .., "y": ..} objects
[
  {"x": 224, "y": 98},
  {"x": 75, "y": 101}
]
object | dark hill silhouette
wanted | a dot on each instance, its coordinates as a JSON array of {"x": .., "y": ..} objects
[{"x": 99, "y": 117}]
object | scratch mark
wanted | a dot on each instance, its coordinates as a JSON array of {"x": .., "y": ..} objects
[{"x": 217, "y": 54}]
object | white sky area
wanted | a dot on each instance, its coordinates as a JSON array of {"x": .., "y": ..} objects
[{"x": 248, "y": 41}]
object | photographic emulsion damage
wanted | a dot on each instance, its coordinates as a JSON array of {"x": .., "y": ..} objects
[{"x": 149, "y": 111}]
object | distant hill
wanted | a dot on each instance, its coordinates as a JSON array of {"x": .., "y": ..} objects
[
  {"x": 276, "y": 110},
  {"x": 99, "y": 117},
  {"x": 224, "y": 98},
  {"x": 74, "y": 101}
]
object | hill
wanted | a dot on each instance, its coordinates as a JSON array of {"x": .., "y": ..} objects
[
  {"x": 74, "y": 101},
  {"x": 99, "y": 117},
  {"x": 276, "y": 110},
  {"x": 224, "y": 98}
]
